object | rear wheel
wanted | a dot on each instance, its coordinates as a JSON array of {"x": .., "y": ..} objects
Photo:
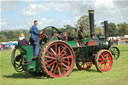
[
  {"x": 103, "y": 60},
  {"x": 58, "y": 59},
  {"x": 84, "y": 65}
]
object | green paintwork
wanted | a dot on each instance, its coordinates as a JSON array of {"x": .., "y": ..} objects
[
  {"x": 72, "y": 43},
  {"x": 102, "y": 37},
  {"x": 28, "y": 55},
  {"x": 54, "y": 38}
]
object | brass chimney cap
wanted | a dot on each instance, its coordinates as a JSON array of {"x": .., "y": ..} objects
[{"x": 91, "y": 11}]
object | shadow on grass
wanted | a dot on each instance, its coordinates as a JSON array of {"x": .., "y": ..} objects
[
  {"x": 89, "y": 70},
  {"x": 24, "y": 76}
]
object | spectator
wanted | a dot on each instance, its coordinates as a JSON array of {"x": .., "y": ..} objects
[{"x": 22, "y": 40}]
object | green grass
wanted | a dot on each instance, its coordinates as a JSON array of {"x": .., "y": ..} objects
[{"x": 118, "y": 75}]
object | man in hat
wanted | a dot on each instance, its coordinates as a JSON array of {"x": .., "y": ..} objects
[
  {"x": 35, "y": 39},
  {"x": 22, "y": 40}
]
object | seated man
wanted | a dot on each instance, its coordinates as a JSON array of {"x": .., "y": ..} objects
[{"x": 22, "y": 40}]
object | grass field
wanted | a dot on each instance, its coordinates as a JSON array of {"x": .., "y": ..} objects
[{"x": 118, "y": 75}]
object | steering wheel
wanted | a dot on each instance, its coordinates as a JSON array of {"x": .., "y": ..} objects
[{"x": 50, "y": 30}]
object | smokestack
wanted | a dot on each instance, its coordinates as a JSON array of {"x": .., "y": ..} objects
[
  {"x": 106, "y": 29},
  {"x": 91, "y": 21}
]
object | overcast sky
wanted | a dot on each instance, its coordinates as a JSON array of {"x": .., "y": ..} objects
[{"x": 17, "y": 14}]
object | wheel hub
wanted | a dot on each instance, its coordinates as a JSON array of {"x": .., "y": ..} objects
[
  {"x": 58, "y": 59},
  {"x": 105, "y": 60}
]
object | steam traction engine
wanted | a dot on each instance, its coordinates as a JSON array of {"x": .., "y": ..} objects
[{"x": 58, "y": 55}]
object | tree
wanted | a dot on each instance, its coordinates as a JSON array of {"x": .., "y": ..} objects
[
  {"x": 69, "y": 28},
  {"x": 3, "y": 38},
  {"x": 123, "y": 29},
  {"x": 99, "y": 30},
  {"x": 112, "y": 29},
  {"x": 83, "y": 20}
]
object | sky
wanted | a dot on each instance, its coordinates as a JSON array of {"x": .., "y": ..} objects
[{"x": 20, "y": 14}]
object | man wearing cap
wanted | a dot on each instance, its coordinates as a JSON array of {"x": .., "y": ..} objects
[
  {"x": 35, "y": 38},
  {"x": 22, "y": 40}
]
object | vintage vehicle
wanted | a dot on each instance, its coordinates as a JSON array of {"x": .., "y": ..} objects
[{"x": 60, "y": 52}]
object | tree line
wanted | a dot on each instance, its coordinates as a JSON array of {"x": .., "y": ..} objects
[{"x": 113, "y": 30}]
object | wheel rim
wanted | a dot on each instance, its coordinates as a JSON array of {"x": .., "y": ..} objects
[
  {"x": 85, "y": 65},
  {"x": 16, "y": 64},
  {"x": 105, "y": 61},
  {"x": 115, "y": 52},
  {"x": 58, "y": 60}
]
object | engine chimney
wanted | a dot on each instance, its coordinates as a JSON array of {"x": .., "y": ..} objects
[
  {"x": 106, "y": 29},
  {"x": 91, "y": 21}
]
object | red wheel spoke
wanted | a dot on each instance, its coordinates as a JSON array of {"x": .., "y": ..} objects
[
  {"x": 101, "y": 65},
  {"x": 53, "y": 51},
  {"x": 64, "y": 54},
  {"x": 84, "y": 65},
  {"x": 50, "y": 57},
  {"x": 102, "y": 56},
  {"x": 61, "y": 67},
  {"x": 50, "y": 53},
  {"x": 66, "y": 61},
  {"x": 100, "y": 59},
  {"x": 107, "y": 55},
  {"x": 56, "y": 48},
  {"x": 108, "y": 62},
  {"x": 108, "y": 58},
  {"x": 65, "y": 66},
  {"x": 59, "y": 50},
  {"x": 67, "y": 57},
  {"x": 52, "y": 68},
  {"x": 106, "y": 66},
  {"x": 55, "y": 68},
  {"x": 81, "y": 64},
  {"x": 62, "y": 50},
  {"x": 51, "y": 64},
  {"x": 59, "y": 71},
  {"x": 48, "y": 61}
]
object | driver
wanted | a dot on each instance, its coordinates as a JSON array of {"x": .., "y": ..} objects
[
  {"x": 35, "y": 39},
  {"x": 80, "y": 32},
  {"x": 43, "y": 37}
]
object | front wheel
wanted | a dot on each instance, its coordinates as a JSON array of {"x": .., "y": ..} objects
[
  {"x": 115, "y": 52},
  {"x": 103, "y": 60}
]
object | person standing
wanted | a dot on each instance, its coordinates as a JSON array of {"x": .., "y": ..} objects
[
  {"x": 80, "y": 32},
  {"x": 34, "y": 39}
]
